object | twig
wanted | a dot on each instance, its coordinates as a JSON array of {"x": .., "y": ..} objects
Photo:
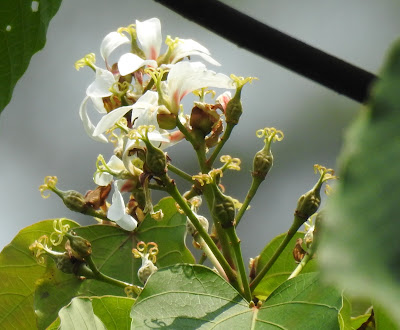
[{"x": 261, "y": 39}]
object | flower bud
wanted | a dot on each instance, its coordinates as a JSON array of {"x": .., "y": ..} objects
[
  {"x": 79, "y": 245},
  {"x": 234, "y": 109},
  {"x": 156, "y": 160},
  {"x": 223, "y": 208},
  {"x": 263, "y": 160},
  {"x": 309, "y": 203},
  {"x": 74, "y": 200},
  {"x": 146, "y": 270}
]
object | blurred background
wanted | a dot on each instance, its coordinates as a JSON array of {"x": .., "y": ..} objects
[{"x": 41, "y": 133}]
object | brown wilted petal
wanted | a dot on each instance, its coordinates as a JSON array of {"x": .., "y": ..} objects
[
  {"x": 97, "y": 198},
  {"x": 298, "y": 251}
]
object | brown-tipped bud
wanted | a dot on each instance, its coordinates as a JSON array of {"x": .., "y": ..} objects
[
  {"x": 262, "y": 163},
  {"x": 166, "y": 120},
  {"x": 80, "y": 246},
  {"x": 253, "y": 267}
]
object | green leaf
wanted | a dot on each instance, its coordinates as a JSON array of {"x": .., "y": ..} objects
[
  {"x": 22, "y": 34},
  {"x": 111, "y": 313},
  {"x": 382, "y": 320},
  {"x": 359, "y": 247},
  {"x": 110, "y": 245},
  {"x": 19, "y": 272},
  {"x": 193, "y": 296},
  {"x": 112, "y": 253},
  {"x": 283, "y": 266}
]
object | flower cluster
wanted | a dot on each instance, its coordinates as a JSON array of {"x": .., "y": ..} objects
[{"x": 139, "y": 100}]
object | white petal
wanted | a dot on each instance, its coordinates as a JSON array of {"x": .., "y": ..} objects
[
  {"x": 102, "y": 178},
  {"x": 87, "y": 124},
  {"x": 186, "y": 77},
  {"x": 156, "y": 136},
  {"x": 110, "y": 119},
  {"x": 110, "y": 42},
  {"x": 188, "y": 47},
  {"x": 117, "y": 208},
  {"x": 100, "y": 87},
  {"x": 129, "y": 63},
  {"x": 127, "y": 222},
  {"x": 116, "y": 164},
  {"x": 99, "y": 104},
  {"x": 144, "y": 110},
  {"x": 149, "y": 36}
]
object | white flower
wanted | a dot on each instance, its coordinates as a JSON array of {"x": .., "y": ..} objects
[
  {"x": 110, "y": 42},
  {"x": 148, "y": 33},
  {"x": 189, "y": 47},
  {"x": 116, "y": 211},
  {"x": 114, "y": 165},
  {"x": 144, "y": 112},
  {"x": 185, "y": 77}
]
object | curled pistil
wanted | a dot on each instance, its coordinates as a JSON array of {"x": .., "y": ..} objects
[
  {"x": 49, "y": 184},
  {"x": 230, "y": 163}
]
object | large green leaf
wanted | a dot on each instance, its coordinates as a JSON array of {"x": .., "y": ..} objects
[
  {"x": 112, "y": 253},
  {"x": 193, "y": 296},
  {"x": 283, "y": 266},
  {"x": 111, "y": 313},
  {"x": 22, "y": 33},
  {"x": 359, "y": 249},
  {"x": 19, "y": 272}
]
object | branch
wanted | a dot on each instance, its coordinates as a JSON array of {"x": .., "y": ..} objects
[{"x": 267, "y": 42}]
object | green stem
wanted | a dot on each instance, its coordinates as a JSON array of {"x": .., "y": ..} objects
[
  {"x": 297, "y": 222},
  {"x": 97, "y": 275},
  {"x": 256, "y": 182},
  {"x": 225, "y": 137},
  {"x": 173, "y": 191},
  {"x": 180, "y": 173},
  {"x": 239, "y": 261},
  {"x": 303, "y": 262},
  {"x": 200, "y": 148}
]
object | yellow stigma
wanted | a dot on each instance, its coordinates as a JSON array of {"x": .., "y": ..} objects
[
  {"x": 143, "y": 250},
  {"x": 39, "y": 247},
  {"x": 241, "y": 81},
  {"x": 230, "y": 163},
  {"x": 325, "y": 175},
  {"x": 88, "y": 60},
  {"x": 130, "y": 29},
  {"x": 49, "y": 184},
  {"x": 202, "y": 178},
  {"x": 57, "y": 235}
]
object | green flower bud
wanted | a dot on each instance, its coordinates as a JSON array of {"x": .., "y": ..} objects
[
  {"x": 156, "y": 160},
  {"x": 223, "y": 208},
  {"x": 74, "y": 200},
  {"x": 263, "y": 160},
  {"x": 82, "y": 247},
  {"x": 309, "y": 203},
  {"x": 234, "y": 109}
]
